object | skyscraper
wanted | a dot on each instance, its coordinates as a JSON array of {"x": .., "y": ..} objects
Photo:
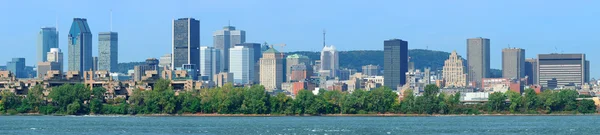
[
  {"x": 513, "y": 63},
  {"x": 565, "y": 69},
  {"x": 47, "y": 38},
  {"x": 242, "y": 64},
  {"x": 454, "y": 72},
  {"x": 256, "y": 47},
  {"x": 55, "y": 55},
  {"x": 108, "y": 48},
  {"x": 225, "y": 39},
  {"x": 531, "y": 70},
  {"x": 329, "y": 61},
  {"x": 209, "y": 62},
  {"x": 95, "y": 63},
  {"x": 271, "y": 69},
  {"x": 17, "y": 67},
  {"x": 395, "y": 62},
  {"x": 80, "y": 46},
  {"x": 478, "y": 59},
  {"x": 186, "y": 42}
]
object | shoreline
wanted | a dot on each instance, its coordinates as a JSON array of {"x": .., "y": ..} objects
[{"x": 323, "y": 115}]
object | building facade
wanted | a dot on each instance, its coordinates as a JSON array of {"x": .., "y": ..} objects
[
  {"x": 478, "y": 59},
  {"x": 256, "y": 47},
  {"x": 209, "y": 62},
  {"x": 47, "y": 38},
  {"x": 225, "y": 39},
  {"x": 242, "y": 65},
  {"x": 186, "y": 42},
  {"x": 80, "y": 46},
  {"x": 531, "y": 71},
  {"x": 329, "y": 61},
  {"x": 17, "y": 67},
  {"x": 562, "y": 70},
  {"x": 271, "y": 69},
  {"x": 395, "y": 60},
  {"x": 108, "y": 51},
  {"x": 294, "y": 60},
  {"x": 513, "y": 63},
  {"x": 454, "y": 72},
  {"x": 55, "y": 55},
  {"x": 165, "y": 60},
  {"x": 370, "y": 70},
  {"x": 44, "y": 67}
]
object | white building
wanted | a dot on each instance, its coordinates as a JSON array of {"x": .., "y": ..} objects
[
  {"x": 241, "y": 64},
  {"x": 329, "y": 61},
  {"x": 271, "y": 69},
  {"x": 55, "y": 55},
  {"x": 209, "y": 62}
]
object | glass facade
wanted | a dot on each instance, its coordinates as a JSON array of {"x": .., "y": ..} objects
[
  {"x": 242, "y": 65},
  {"x": 209, "y": 62},
  {"x": 80, "y": 46},
  {"x": 47, "y": 38},
  {"x": 108, "y": 48},
  {"x": 225, "y": 39},
  {"x": 186, "y": 42}
]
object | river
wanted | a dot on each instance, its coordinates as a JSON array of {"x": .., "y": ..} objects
[{"x": 102, "y": 125}]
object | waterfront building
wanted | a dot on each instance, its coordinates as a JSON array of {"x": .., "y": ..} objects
[
  {"x": 209, "y": 62},
  {"x": 242, "y": 65},
  {"x": 55, "y": 55},
  {"x": 329, "y": 61},
  {"x": 531, "y": 71},
  {"x": 559, "y": 70},
  {"x": 17, "y": 67}
]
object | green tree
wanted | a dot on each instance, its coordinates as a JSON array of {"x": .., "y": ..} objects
[
  {"x": 530, "y": 100},
  {"x": 255, "y": 100},
  {"x": 586, "y": 106},
  {"x": 304, "y": 102},
  {"x": 496, "y": 102},
  {"x": 65, "y": 95},
  {"x": 515, "y": 101},
  {"x": 408, "y": 102}
]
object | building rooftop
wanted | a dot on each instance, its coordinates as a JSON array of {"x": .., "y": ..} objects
[{"x": 271, "y": 50}]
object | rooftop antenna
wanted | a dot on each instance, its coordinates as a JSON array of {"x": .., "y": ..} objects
[
  {"x": 323, "y": 37},
  {"x": 111, "y": 20}
]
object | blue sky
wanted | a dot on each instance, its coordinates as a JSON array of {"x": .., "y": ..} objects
[{"x": 144, "y": 26}]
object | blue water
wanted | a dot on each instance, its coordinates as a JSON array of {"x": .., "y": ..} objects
[{"x": 102, "y": 125}]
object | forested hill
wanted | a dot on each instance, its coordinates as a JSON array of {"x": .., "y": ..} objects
[{"x": 356, "y": 59}]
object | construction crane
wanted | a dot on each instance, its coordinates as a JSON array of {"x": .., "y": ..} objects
[{"x": 280, "y": 45}]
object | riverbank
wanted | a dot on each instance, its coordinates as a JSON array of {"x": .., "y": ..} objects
[{"x": 322, "y": 115}]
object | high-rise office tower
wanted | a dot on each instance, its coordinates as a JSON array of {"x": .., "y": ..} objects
[
  {"x": 95, "y": 63},
  {"x": 395, "y": 62},
  {"x": 565, "y": 69},
  {"x": 454, "y": 72},
  {"x": 294, "y": 60},
  {"x": 17, "y": 67},
  {"x": 47, "y": 38},
  {"x": 531, "y": 70},
  {"x": 256, "y": 47},
  {"x": 209, "y": 62},
  {"x": 108, "y": 48},
  {"x": 242, "y": 65},
  {"x": 225, "y": 39},
  {"x": 478, "y": 59},
  {"x": 55, "y": 55},
  {"x": 513, "y": 63},
  {"x": 80, "y": 46},
  {"x": 370, "y": 70},
  {"x": 329, "y": 61},
  {"x": 271, "y": 69},
  {"x": 186, "y": 42}
]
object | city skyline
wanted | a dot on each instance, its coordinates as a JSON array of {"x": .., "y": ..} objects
[{"x": 552, "y": 37}]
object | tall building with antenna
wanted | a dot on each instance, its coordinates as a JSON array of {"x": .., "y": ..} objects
[{"x": 108, "y": 49}]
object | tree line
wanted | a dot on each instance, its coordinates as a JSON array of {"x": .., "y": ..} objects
[{"x": 80, "y": 100}]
